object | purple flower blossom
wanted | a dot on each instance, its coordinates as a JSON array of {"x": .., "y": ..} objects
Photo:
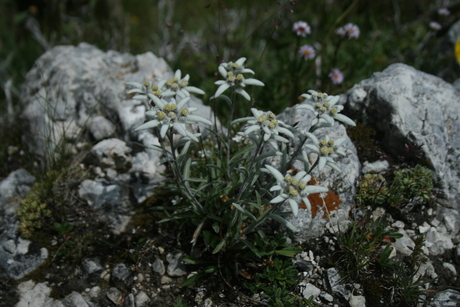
[
  {"x": 351, "y": 30},
  {"x": 443, "y": 11},
  {"x": 307, "y": 51},
  {"x": 435, "y": 26},
  {"x": 301, "y": 28},
  {"x": 336, "y": 76}
]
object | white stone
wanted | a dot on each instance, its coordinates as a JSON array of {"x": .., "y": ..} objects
[
  {"x": 309, "y": 290},
  {"x": 357, "y": 301},
  {"x": 375, "y": 167}
]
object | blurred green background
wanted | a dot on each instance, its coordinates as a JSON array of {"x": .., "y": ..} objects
[{"x": 195, "y": 36}]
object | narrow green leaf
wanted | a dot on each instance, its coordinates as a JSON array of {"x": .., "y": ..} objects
[
  {"x": 219, "y": 247},
  {"x": 192, "y": 279},
  {"x": 289, "y": 251},
  {"x": 282, "y": 221},
  {"x": 251, "y": 247}
]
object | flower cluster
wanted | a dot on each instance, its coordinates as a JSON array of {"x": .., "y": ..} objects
[
  {"x": 169, "y": 114},
  {"x": 301, "y": 28},
  {"x": 350, "y": 30},
  {"x": 326, "y": 149},
  {"x": 325, "y": 107},
  {"x": 293, "y": 188},
  {"x": 443, "y": 11},
  {"x": 267, "y": 124},
  {"x": 233, "y": 74},
  {"x": 165, "y": 112}
]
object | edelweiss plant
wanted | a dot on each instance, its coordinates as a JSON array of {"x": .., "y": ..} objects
[{"x": 232, "y": 188}]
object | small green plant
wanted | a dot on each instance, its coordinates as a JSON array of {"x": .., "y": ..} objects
[
  {"x": 364, "y": 245},
  {"x": 180, "y": 302},
  {"x": 372, "y": 190},
  {"x": 229, "y": 199},
  {"x": 276, "y": 282},
  {"x": 411, "y": 183}
]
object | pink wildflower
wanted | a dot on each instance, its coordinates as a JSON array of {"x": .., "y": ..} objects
[
  {"x": 336, "y": 76},
  {"x": 443, "y": 11},
  {"x": 435, "y": 26},
  {"x": 307, "y": 51},
  {"x": 351, "y": 30},
  {"x": 301, "y": 28}
]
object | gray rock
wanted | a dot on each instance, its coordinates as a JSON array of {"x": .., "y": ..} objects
[
  {"x": 342, "y": 183},
  {"x": 91, "y": 266},
  {"x": 445, "y": 298},
  {"x": 37, "y": 295},
  {"x": 75, "y": 299},
  {"x": 14, "y": 187},
  {"x": 111, "y": 153},
  {"x": 309, "y": 290},
  {"x": 142, "y": 299},
  {"x": 130, "y": 301},
  {"x": 409, "y": 106},
  {"x": 110, "y": 200},
  {"x": 336, "y": 285},
  {"x": 357, "y": 301},
  {"x": 176, "y": 267},
  {"x": 27, "y": 256},
  {"x": 375, "y": 167},
  {"x": 101, "y": 128},
  {"x": 114, "y": 295},
  {"x": 121, "y": 276},
  {"x": 159, "y": 267}
]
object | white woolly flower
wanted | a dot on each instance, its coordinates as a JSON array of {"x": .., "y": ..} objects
[
  {"x": 326, "y": 149},
  {"x": 179, "y": 86},
  {"x": 267, "y": 124},
  {"x": 143, "y": 90},
  {"x": 293, "y": 188},
  {"x": 325, "y": 107},
  {"x": 233, "y": 74},
  {"x": 169, "y": 114}
]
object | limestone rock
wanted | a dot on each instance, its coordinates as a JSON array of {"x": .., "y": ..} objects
[
  {"x": 341, "y": 183},
  {"x": 408, "y": 106}
]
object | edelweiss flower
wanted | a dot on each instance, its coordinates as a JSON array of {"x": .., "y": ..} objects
[
  {"x": 307, "y": 51},
  {"x": 301, "y": 28},
  {"x": 179, "y": 86},
  {"x": 168, "y": 114},
  {"x": 233, "y": 73},
  {"x": 336, "y": 76},
  {"x": 326, "y": 149},
  {"x": 293, "y": 189},
  {"x": 325, "y": 107},
  {"x": 351, "y": 30},
  {"x": 266, "y": 123},
  {"x": 143, "y": 90}
]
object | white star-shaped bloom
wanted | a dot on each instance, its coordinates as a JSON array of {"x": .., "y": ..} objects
[
  {"x": 293, "y": 188},
  {"x": 325, "y": 107}
]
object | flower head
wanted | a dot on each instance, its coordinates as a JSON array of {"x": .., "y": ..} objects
[
  {"x": 233, "y": 74},
  {"x": 179, "y": 86},
  {"x": 435, "y": 26},
  {"x": 336, "y": 76},
  {"x": 301, "y": 28},
  {"x": 327, "y": 149},
  {"x": 293, "y": 188},
  {"x": 443, "y": 11},
  {"x": 307, "y": 51},
  {"x": 169, "y": 114},
  {"x": 267, "y": 124},
  {"x": 350, "y": 30},
  {"x": 325, "y": 107}
]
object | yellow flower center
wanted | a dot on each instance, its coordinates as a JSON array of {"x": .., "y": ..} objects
[
  {"x": 172, "y": 115},
  {"x": 184, "y": 112},
  {"x": 161, "y": 115},
  {"x": 293, "y": 191}
]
